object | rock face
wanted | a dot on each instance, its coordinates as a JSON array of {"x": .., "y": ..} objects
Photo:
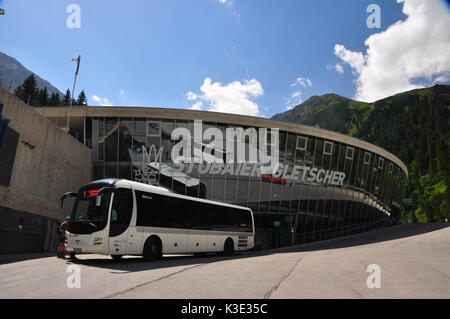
[{"x": 12, "y": 70}]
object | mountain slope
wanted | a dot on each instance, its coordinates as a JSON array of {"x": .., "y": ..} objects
[
  {"x": 12, "y": 70},
  {"x": 329, "y": 111},
  {"x": 414, "y": 125}
]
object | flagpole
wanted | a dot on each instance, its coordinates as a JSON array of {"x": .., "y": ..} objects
[
  {"x": 73, "y": 91},
  {"x": 71, "y": 101}
]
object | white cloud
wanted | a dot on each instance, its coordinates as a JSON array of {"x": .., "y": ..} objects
[
  {"x": 234, "y": 97},
  {"x": 191, "y": 96},
  {"x": 305, "y": 82},
  {"x": 101, "y": 101},
  {"x": 410, "y": 54},
  {"x": 295, "y": 99},
  {"x": 106, "y": 102},
  {"x": 355, "y": 59},
  {"x": 288, "y": 108},
  {"x": 339, "y": 68},
  {"x": 229, "y": 5},
  {"x": 299, "y": 85},
  {"x": 226, "y": 2},
  {"x": 296, "y": 94},
  {"x": 197, "y": 106}
]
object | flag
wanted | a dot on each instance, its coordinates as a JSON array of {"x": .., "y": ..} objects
[{"x": 77, "y": 59}]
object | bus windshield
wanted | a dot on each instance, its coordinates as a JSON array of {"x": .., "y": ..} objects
[{"x": 90, "y": 214}]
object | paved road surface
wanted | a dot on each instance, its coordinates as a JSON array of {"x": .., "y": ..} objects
[{"x": 414, "y": 262}]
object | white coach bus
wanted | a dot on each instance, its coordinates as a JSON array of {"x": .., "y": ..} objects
[{"x": 119, "y": 217}]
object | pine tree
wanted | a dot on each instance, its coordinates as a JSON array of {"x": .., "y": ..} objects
[
  {"x": 82, "y": 100},
  {"x": 28, "y": 91},
  {"x": 50, "y": 100},
  {"x": 55, "y": 100},
  {"x": 66, "y": 99},
  {"x": 43, "y": 97}
]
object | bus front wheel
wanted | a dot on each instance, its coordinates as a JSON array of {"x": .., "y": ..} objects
[{"x": 152, "y": 249}]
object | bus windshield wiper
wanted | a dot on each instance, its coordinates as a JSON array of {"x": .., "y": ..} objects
[{"x": 87, "y": 221}]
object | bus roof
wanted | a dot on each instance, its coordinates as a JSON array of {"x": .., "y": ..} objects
[
  {"x": 116, "y": 182},
  {"x": 165, "y": 191},
  {"x": 154, "y": 188},
  {"x": 100, "y": 183}
]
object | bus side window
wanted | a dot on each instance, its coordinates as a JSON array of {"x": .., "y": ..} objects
[
  {"x": 196, "y": 212},
  {"x": 155, "y": 210},
  {"x": 189, "y": 212},
  {"x": 244, "y": 221},
  {"x": 179, "y": 209}
]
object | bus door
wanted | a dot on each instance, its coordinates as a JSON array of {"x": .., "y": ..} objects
[
  {"x": 134, "y": 243},
  {"x": 121, "y": 212}
]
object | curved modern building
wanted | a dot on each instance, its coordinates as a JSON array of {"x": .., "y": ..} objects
[{"x": 325, "y": 184}]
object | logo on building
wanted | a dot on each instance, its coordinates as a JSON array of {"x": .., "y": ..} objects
[
  {"x": 225, "y": 151},
  {"x": 147, "y": 173},
  {"x": 3, "y": 125},
  {"x": 229, "y": 145}
]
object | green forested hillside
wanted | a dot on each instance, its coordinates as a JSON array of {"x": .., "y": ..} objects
[
  {"x": 412, "y": 125},
  {"x": 330, "y": 111}
]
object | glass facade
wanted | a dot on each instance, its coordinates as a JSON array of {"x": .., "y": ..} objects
[{"x": 287, "y": 211}]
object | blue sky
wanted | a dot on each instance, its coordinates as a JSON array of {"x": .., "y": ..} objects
[{"x": 208, "y": 53}]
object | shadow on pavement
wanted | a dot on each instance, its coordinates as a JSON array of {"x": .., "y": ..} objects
[
  {"x": 136, "y": 263},
  {"x": 13, "y": 258},
  {"x": 369, "y": 237}
]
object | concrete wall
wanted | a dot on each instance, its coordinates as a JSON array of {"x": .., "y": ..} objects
[{"x": 58, "y": 163}]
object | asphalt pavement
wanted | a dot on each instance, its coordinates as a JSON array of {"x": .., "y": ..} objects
[{"x": 404, "y": 261}]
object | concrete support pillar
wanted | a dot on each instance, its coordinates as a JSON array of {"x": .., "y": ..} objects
[{"x": 48, "y": 235}]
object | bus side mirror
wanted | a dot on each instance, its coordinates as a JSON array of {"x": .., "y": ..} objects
[{"x": 68, "y": 194}]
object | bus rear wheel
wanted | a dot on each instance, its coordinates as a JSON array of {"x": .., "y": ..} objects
[
  {"x": 152, "y": 249},
  {"x": 228, "y": 249}
]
